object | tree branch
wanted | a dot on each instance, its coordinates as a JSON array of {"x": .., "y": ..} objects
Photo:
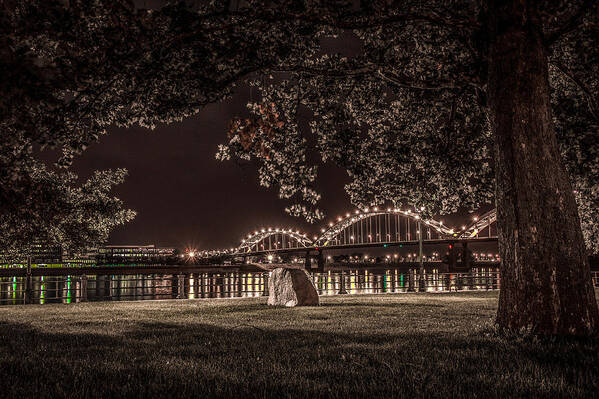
[
  {"x": 370, "y": 69},
  {"x": 402, "y": 81},
  {"x": 592, "y": 101},
  {"x": 571, "y": 24},
  {"x": 340, "y": 22}
]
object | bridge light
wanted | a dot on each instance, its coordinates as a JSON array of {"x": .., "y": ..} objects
[
  {"x": 347, "y": 215},
  {"x": 339, "y": 218},
  {"x": 388, "y": 209},
  {"x": 351, "y": 237},
  {"x": 376, "y": 209},
  {"x": 416, "y": 217},
  {"x": 269, "y": 229},
  {"x": 463, "y": 227},
  {"x": 395, "y": 256},
  {"x": 322, "y": 230},
  {"x": 331, "y": 224},
  {"x": 385, "y": 246},
  {"x": 365, "y": 209},
  {"x": 192, "y": 254},
  {"x": 421, "y": 208},
  {"x": 315, "y": 237},
  {"x": 476, "y": 218},
  {"x": 262, "y": 230},
  {"x": 269, "y": 257},
  {"x": 357, "y": 212}
]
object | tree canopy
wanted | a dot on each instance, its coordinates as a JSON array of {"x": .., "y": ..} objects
[
  {"x": 406, "y": 116},
  {"x": 444, "y": 101}
]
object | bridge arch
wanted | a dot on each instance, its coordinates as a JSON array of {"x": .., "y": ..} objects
[
  {"x": 267, "y": 239},
  {"x": 375, "y": 225}
]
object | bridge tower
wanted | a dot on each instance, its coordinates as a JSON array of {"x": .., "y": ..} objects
[
  {"x": 465, "y": 256},
  {"x": 320, "y": 260},
  {"x": 452, "y": 257}
]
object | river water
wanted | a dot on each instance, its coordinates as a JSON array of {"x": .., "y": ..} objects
[{"x": 118, "y": 287}]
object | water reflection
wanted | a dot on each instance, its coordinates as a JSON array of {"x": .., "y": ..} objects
[
  {"x": 392, "y": 281},
  {"x": 68, "y": 289}
]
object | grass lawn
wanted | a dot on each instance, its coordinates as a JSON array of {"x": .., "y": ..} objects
[{"x": 440, "y": 345}]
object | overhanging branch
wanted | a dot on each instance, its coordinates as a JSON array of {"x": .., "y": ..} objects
[
  {"x": 571, "y": 24},
  {"x": 591, "y": 100}
]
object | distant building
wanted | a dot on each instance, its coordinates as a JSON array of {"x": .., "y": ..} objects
[
  {"x": 52, "y": 255},
  {"x": 88, "y": 257},
  {"x": 40, "y": 253},
  {"x": 134, "y": 254}
]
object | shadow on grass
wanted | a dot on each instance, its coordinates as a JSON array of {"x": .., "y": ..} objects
[
  {"x": 363, "y": 304},
  {"x": 161, "y": 359}
]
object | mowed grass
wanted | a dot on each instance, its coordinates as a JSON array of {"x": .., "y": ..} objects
[{"x": 404, "y": 345}]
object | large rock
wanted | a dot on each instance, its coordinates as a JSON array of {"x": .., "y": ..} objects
[{"x": 291, "y": 287}]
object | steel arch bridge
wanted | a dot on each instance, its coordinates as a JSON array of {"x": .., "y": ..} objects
[
  {"x": 392, "y": 225},
  {"x": 367, "y": 228},
  {"x": 269, "y": 239}
]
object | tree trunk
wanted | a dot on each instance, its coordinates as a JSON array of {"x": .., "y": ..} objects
[{"x": 546, "y": 283}]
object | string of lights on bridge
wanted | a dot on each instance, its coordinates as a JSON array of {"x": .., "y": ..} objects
[{"x": 336, "y": 230}]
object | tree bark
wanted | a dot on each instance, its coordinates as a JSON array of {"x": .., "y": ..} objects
[{"x": 546, "y": 283}]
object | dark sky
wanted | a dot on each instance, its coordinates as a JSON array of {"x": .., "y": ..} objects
[
  {"x": 186, "y": 198},
  {"x": 183, "y": 195}
]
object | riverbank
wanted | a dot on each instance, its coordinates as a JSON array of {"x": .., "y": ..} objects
[{"x": 411, "y": 345}]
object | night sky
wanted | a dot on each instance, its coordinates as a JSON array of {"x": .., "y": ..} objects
[
  {"x": 183, "y": 195},
  {"x": 186, "y": 198}
]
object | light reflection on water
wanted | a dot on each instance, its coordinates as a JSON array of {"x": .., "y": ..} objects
[{"x": 68, "y": 289}]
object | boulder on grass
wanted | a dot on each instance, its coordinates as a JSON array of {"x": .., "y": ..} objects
[{"x": 291, "y": 287}]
